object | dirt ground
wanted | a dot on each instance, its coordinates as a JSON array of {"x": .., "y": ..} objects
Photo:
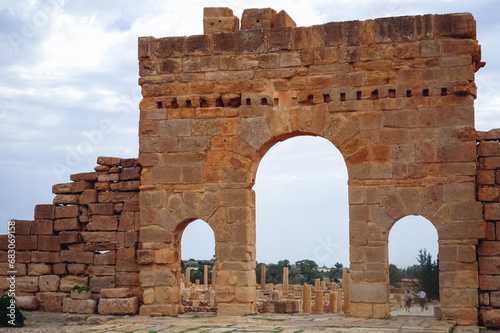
[{"x": 210, "y": 323}]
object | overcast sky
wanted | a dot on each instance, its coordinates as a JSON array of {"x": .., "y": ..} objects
[{"x": 69, "y": 93}]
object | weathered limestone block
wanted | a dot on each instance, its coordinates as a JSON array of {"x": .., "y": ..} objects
[
  {"x": 39, "y": 269},
  {"x": 42, "y": 227},
  {"x": 76, "y": 269},
  {"x": 27, "y": 302},
  {"x": 23, "y": 227},
  {"x": 69, "y": 281},
  {"x": 88, "y": 196},
  {"x": 97, "y": 283},
  {"x": 103, "y": 223},
  {"x": 257, "y": 18},
  {"x": 495, "y": 299},
  {"x": 217, "y": 20},
  {"x": 26, "y": 242},
  {"x": 75, "y": 256},
  {"x": 45, "y": 257},
  {"x": 69, "y": 237},
  {"x": 109, "y": 161},
  {"x": 52, "y": 301},
  {"x": 116, "y": 293},
  {"x": 88, "y": 176},
  {"x": 101, "y": 209},
  {"x": 49, "y": 282},
  {"x": 491, "y": 318},
  {"x": 28, "y": 284},
  {"x": 43, "y": 212},
  {"x": 79, "y": 306},
  {"x": 369, "y": 293},
  {"x": 74, "y": 187},
  {"x": 282, "y": 20},
  {"x": 123, "y": 306},
  {"x": 48, "y": 243},
  {"x": 66, "y": 199},
  {"x": 67, "y": 224},
  {"x": 492, "y": 211},
  {"x": 62, "y": 212},
  {"x": 489, "y": 282}
]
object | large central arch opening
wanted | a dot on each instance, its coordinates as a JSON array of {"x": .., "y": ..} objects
[{"x": 302, "y": 217}]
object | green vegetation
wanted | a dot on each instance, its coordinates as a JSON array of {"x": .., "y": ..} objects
[
  {"x": 80, "y": 288},
  {"x": 10, "y": 313},
  {"x": 302, "y": 271}
]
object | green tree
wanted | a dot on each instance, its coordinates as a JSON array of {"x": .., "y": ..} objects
[
  {"x": 395, "y": 275},
  {"x": 428, "y": 274},
  {"x": 308, "y": 269}
]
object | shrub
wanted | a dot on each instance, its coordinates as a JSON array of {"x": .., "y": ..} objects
[
  {"x": 80, "y": 288},
  {"x": 10, "y": 313}
]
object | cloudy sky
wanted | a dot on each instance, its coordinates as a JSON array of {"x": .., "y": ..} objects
[{"x": 69, "y": 93}]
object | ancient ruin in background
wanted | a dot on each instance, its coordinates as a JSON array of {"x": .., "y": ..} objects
[{"x": 394, "y": 95}]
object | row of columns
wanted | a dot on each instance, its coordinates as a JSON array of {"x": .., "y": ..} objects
[
  {"x": 339, "y": 299},
  {"x": 205, "y": 277}
]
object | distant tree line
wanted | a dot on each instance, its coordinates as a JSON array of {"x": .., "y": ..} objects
[{"x": 302, "y": 271}]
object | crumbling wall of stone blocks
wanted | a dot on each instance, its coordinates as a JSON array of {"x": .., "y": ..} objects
[
  {"x": 394, "y": 95},
  {"x": 488, "y": 192},
  {"x": 87, "y": 237}
]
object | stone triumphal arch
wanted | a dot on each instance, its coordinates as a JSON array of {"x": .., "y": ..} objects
[{"x": 394, "y": 95}]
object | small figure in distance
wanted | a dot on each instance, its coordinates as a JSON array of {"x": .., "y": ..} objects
[
  {"x": 407, "y": 301},
  {"x": 421, "y": 295}
]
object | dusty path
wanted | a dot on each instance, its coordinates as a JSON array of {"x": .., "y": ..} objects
[{"x": 209, "y": 323}]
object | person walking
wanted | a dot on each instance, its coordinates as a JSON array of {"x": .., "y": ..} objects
[
  {"x": 422, "y": 297},
  {"x": 408, "y": 301}
]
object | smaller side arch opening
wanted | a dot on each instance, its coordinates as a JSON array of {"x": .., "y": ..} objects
[
  {"x": 413, "y": 267},
  {"x": 197, "y": 265}
]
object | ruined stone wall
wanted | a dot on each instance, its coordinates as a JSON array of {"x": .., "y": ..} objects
[
  {"x": 394, "y": 95},
  {"x": 87, "y": 237},
  {"x": 488, "y": 192}
]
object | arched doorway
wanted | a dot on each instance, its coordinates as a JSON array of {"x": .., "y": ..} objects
[
  {"x": 197, "y": 286},
  {"x": 302, "y": 215},
  {"x": 413, "y": 266}
]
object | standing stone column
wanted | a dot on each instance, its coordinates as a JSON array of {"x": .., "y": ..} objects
[
  {"x": 318, "y": 302},
  {"x": 317, "y": 284},
  {"x": 262, "y": 276},
  {"x": 306, "y": 299},
  {"x": 214, "y": 276},
  {"x": 346, "y": 285},
  {"x": 285, "y": 279},
  {"x": 340, "y": 301},
  {"x": 205, "y": 276},
  {"x": 188, "y": 277},
  {"x": 333, "y": 306}
]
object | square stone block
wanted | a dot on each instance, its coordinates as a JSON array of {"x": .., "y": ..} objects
[{"x": 119, "y": 306}]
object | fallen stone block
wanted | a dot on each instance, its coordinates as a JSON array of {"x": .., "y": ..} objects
[
  {"x": 79, "y": 305},
  {"x": 27, "y": 302},
  {"x": 119, "y": 306},
  {"x": 52, "y": 301}
]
